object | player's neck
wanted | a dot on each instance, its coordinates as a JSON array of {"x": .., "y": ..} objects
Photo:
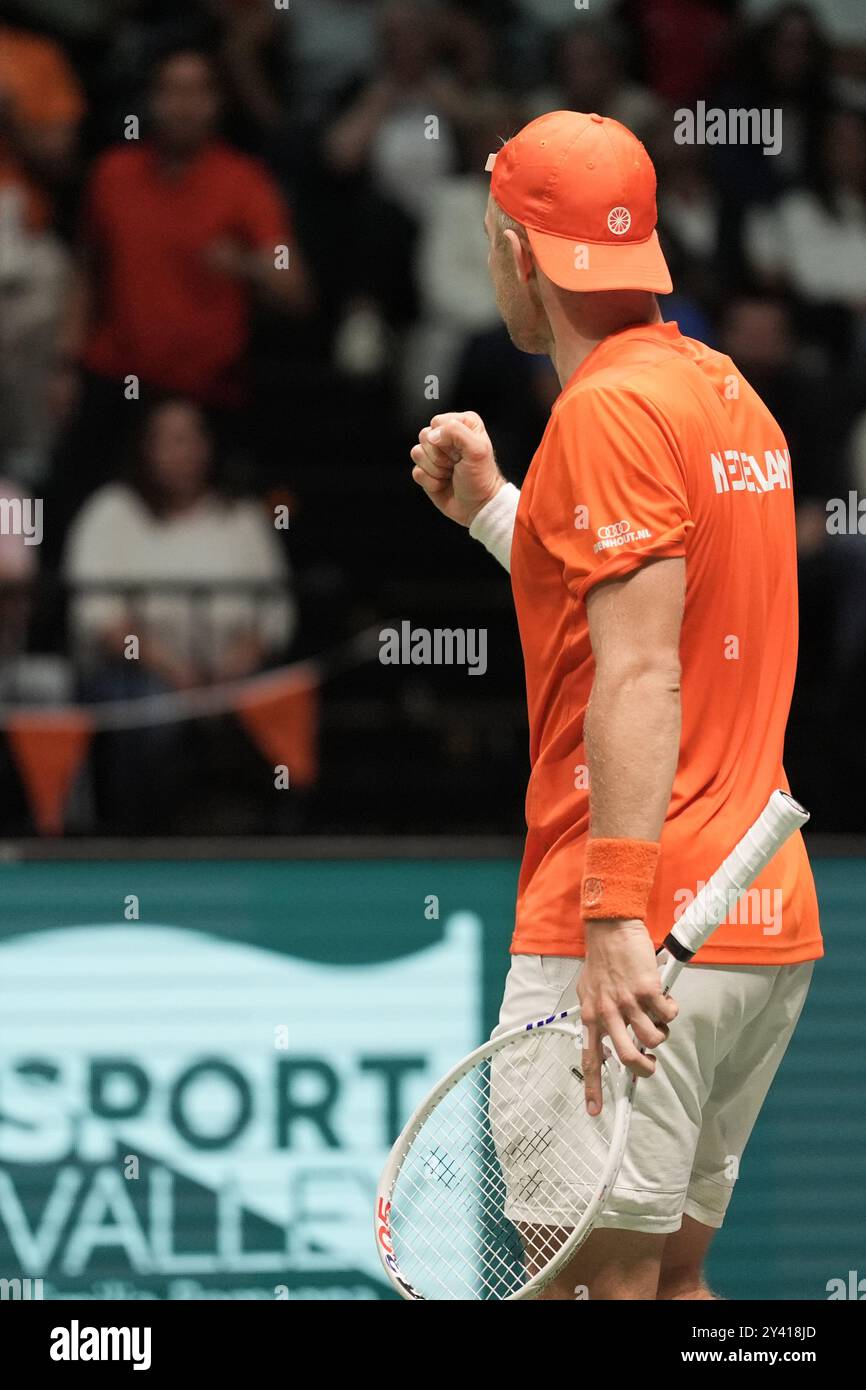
[{"x": 579, "y": 322}]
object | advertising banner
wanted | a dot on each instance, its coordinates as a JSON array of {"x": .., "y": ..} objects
[
  {"x": 203, "y": 1065},
  {"x": 202, "y": 1110}
]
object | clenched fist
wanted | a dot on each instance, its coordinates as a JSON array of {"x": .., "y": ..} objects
[{"x": 455, "y": 465}]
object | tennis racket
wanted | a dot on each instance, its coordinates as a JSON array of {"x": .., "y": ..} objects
[{"x": 500, "y": 1174}]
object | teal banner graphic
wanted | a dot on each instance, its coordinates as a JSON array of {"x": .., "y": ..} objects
[{"x": 203, "y": 1065}]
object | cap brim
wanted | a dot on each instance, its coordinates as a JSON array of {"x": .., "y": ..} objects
[{"x": 595, "y": 265}]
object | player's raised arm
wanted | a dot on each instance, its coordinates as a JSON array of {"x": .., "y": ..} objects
[
  {"x": 456, "y": 467},
  {"x": 632, "y": 734}
]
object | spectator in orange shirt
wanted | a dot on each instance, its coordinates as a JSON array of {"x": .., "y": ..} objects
[
  {"x": 41, "y": 107},
  {"x": 181, "y": 234}
]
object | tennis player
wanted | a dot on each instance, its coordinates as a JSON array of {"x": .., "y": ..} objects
[{"x": 653, "y": 564}]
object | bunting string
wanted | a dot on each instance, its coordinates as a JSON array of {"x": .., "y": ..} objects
[
  {"x": 143, "y": 711},
  {"x": 279, "y": 710}
]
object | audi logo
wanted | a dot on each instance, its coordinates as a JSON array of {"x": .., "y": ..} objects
[{"x": 619, "y": 528}]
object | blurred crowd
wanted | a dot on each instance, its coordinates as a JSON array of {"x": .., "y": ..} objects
[{"x": 242, "y": 261}]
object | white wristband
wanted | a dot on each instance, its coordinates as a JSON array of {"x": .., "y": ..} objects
[{"x": 494, "y": 524}]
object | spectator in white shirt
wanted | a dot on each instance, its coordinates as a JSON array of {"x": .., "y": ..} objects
[
  {"x": 457, "y": 297},
  {"x": 170, "y": 525},
  {"x": 814, "y": 238}
]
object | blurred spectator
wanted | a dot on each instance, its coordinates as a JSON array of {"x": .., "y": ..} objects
[
  {"x": 691, "y": 223},
  {"x": 536, "y": 23},
  {"x": 849, "y": 557},
  {"x": 35, "y": 279},
  {"x": 547, "y": 14},
  {"x": 253, "y": 62},
  {"x": 72, "y": 20},
  {"x": 169, "y": 525},
  {"x": 294, "y": 61},
  {"x": 784, "y": 65},
  {"x": 456, "y": 293},
  {"x": 19, "y": 563},
  {"x": 181, "y": 232},
  {"x": 18, "y": 567},
  {"x": 814, "y": 238},
  {"x": 27, "y": 676},
  {"x": 125, "y": 43},
  {"x": 390, "y": 142},
  {"x": 331, "y": 41},
  {"x": 684, "y": 44},
  {"x": 41, "y": 107},
  {"x": 843, "y": 20},
  {"x": 186, "y": 228},
  {"x": 400, "y": 125},
  {"x": 468, "y": 47},
  {"x": 815, "y": 411},
  {"x": 588, "y": 69}
]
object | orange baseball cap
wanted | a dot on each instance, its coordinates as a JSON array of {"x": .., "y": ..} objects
[{"x": 584, "y": 188}]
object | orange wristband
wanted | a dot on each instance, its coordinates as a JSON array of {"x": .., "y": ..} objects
[{"x": 618, "y": 876}]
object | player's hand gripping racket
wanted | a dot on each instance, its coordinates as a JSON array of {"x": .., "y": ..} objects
[{"x": 500, "y": 1174}]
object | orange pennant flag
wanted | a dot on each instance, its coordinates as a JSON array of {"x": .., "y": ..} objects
[
  {"x": 281, "y": 715},
  {"x": 48, "y": 750}
]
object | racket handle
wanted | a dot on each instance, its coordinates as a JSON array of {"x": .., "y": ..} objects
[{"x": 781, "y": 816}]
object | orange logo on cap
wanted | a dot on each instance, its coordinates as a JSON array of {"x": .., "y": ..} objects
[{"x": 619, "y": 221}]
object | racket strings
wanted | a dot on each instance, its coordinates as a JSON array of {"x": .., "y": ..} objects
[
  {"x": 500, "y": 1173},
  {"x": 498, "y": 1252}
]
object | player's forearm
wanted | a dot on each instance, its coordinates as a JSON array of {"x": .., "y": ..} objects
[
  {"x": 632, "y": 735},
  {"x": 493, "y": 525}
]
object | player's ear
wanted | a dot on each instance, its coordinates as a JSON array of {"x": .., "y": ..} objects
[{"x": 521, "y": 254}]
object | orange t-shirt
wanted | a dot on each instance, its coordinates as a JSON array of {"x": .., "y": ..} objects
[
  {"x": 163, "y": 313},
  {"x": 42, "y": 90},
  {"x": 38, "y": 80},
  {"x": 658, "y": 447}
]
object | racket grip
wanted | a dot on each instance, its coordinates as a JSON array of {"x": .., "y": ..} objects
[{"x": 781, "y": 816}]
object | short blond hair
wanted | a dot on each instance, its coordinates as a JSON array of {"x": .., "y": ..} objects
[{"x": 507, "y": 223}]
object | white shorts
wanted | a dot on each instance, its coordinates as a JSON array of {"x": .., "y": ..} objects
[{"x": 693, "y": 1117}]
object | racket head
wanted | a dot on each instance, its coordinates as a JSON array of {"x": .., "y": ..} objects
[{"x": 499, "y": 1175}]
